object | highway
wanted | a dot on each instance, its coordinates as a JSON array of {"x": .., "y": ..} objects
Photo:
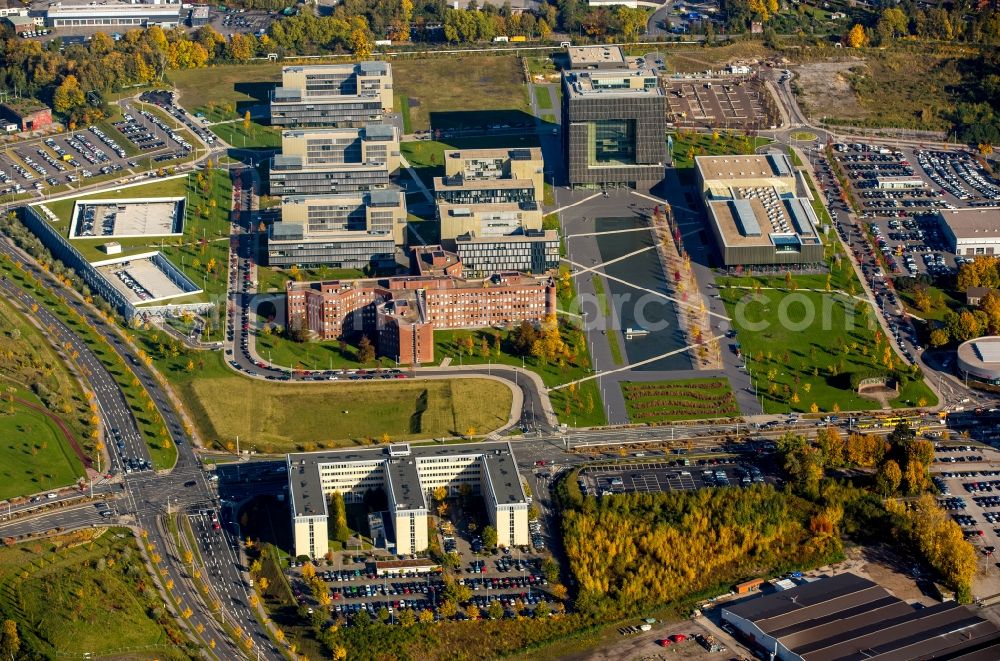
[{"x": 145, "y": 496}]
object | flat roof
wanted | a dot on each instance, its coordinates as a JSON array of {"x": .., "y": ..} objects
[
  {"x": 459, "y": 182},
  {"x": 766, "y": 221},
  {"x": 402, "y": 473},
  {"x": 754, "y": 166},
  {"x": 378, "y": 197},
  {"x": 513, "y": 153},
  {"x": 596, "y": 83},
  {"x": 368, "y": 67},
  {"x": 527, "y": 237},
  {"x": 466, "y": 209},
  {"x": 981, "y": 352},
  {"x": 584, "y": 56},
  {"x": 973, "y": 222},
  {"x": 373, "y": 131}
]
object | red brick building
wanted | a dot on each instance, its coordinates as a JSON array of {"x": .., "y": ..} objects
[
  {"x": 403, "y": 312},
  {"x": 28, "y": 113}
]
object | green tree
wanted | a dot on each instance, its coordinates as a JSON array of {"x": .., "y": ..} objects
[
  {"x": 366, "y": 352},
  {"x": 495, "y": 610},
  {"x": 338, "y": 517},
  {"x": 489, "y": 536}
]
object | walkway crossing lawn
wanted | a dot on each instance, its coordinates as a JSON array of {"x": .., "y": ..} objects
[
  {"x": 34, "y": 454},
  {"x": 803, "y": 347},
  {"x": 668, "y": 401},
  {"x": 86, "y": 594}
]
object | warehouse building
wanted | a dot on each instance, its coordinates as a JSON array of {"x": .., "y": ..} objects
[
  {"x": 333, "y": 95},
  {"x": 407, "y": 475},
  {"x": 613, "y": 126},
  {"x": 164, "y": 13},
  {"x": 850, "y": 617},
  {"x": 972, "y": 231},
  {"x": 325, "y": 161},
  {"x": 757, "y": 210}
]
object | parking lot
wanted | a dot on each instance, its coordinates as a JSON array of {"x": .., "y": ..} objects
[
  {"x": 233, "y": 21},
  {"x": 734, "y": 103},
  {"x": 662, "y": 476},
  {"x": 165, "y": 100}
]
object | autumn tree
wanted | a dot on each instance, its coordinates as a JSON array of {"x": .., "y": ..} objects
[
  {"x": 338, "y": 518},
  {"x": 10, "y": 641},
  {"x": 68, "y": 96},
  {"x": 888, "y": 478},
  {"x": 856, "y": 37},
  {"x": 366, "y": 352}
]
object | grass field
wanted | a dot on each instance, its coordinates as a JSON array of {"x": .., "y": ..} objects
[
  {"x": 258, "y": 135},
  {"x": 668, "y": 401},
  {"x": 279, "y": 417},
  {"x": 688, "y": 145},
  {"x": 87, "y": 594},
  {"x": 274, "y": 279},
  {"x": 805, "y": 345},
  {"x": 34, "y": 454},
  {"x": 312, "y": 355},
  {"x": 543, "y": 98},
  {"x": 243, "y": 85},
  {"x": 461, "y": 91}
]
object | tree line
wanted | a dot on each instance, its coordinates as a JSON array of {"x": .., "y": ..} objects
[{"x": 972, "y": 321}]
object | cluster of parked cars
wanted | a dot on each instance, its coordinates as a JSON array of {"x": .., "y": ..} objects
[
  {"x": 953, "y": 504},
  {"x": 957, "y": 173},
  {"x": 139, "y": 134},
  {"x": 111, "y": 143},
  {"x": 165, "y": 100},
  {"x": 537, "y": 539},
  {"x": 141, "y": 292}
]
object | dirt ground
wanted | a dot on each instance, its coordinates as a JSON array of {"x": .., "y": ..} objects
[
  {"x": 826, "y": 90},
  {"x": 644, "y": 646}
]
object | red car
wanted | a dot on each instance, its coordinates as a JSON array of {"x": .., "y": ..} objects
[
  {"x": 663, "y": 643},
  {"x": 678, "y": 638}
]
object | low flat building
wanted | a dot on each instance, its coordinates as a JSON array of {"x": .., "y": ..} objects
[
  {"x": 19, "y": 24},
  {"x": 164, "y": 13},
  {"x": 979, "y": 360},
  {"x": 899, "y": 183},
  {"x": 614, "y": 126},
  {"x": 757, "y": 210},
  {"x": 596, "y": 57},
  {"x": 972, "y": 231},
  {"x": 198, "y": 16},
  {"x": 435, "y": 261},
  {"x": 408, "y": 475},
  {"x": 532, "y": 251},
  {"x": 400, "y": 313},
  {"x": 333, "y": 94},
  {"x": 332, "y": 161},
  {"x": 847, "y": 617},
  {"x": 30, "y": 115}
]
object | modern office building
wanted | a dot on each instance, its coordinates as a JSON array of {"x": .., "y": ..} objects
[
  {"x": 613, "y": 125},
  {"x": 758, "y": 210},
  {"x": 490, "y": 192},
  {"x": 164, "y": 13},
  {"x": 350, "y": 230},
  {"x": 400, "y": 313},
  {"x": 972, "y": 231},
  {"x": 407, "y": 475},
  {"x": 333, "y": 95},
  {"x": 850, "y": 617},
  {"x": 325, "y": 161},
  {"x": 596, "y": 57},
  {"x": 533, "y": 251}
]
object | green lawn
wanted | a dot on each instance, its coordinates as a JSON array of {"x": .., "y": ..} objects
[
  {"x": 274, "y": 279},
  {"x": 689, "y": 144},
  {"x": 543, "y": 98},
  {"x": 578, "y": 406},
  {"x": 460, "y": 90},
  {"x": 668, "y": 401},
  {"x": 403, "y": 108},
  {"x": 34, "y": 454},
  {"x": 312, "y": 355},
  {"x": 86, "y": 594},
  {"x": 806, "y": 345},
  {"x": 281, "y": 417},
  {"x": 258, "y": 135},
  {"x": 943, "y": 301},
  {"x": 241, "y": 85}
]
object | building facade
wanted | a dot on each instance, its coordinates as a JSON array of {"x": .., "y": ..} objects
[
  {"x": 613, "y": 127},
  {"x": 402, "y": 312},
  {"x": 408, "y": 475},
  {"x": 534, "y": 251},
  {"x": 165, "y": 13},
  {"x": 333, "y": 161},
  {"x": 333, "y": 95},
  {"x": 972, "y": 231},
  {"x": 29, "y": 114}
]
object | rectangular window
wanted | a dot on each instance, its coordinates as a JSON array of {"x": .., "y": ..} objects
[{"x": 612, "y": 142}]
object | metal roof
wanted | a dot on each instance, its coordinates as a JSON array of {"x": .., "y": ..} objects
[{"x": 745, "y": 218}]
